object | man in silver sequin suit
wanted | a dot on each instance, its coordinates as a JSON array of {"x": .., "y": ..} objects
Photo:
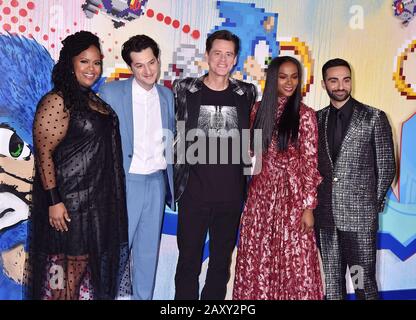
[{"x": 356, "y": 161}]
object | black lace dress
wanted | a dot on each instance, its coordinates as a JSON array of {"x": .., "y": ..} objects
[{"x": 79, "y": 152}]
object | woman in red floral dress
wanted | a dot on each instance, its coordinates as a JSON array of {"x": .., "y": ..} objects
[{"x": 277, "y": 256}]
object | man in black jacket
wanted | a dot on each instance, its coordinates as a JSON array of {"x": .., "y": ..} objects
[
  {"x": 211, "y": 112},
  {"x": 356, "y": 161}
]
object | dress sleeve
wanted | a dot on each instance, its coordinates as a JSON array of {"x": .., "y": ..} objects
[
  {"x": 308, "y": 144},
  {"x": 49, "y": 129}
]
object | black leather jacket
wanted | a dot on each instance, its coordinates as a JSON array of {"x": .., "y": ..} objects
[{"x": 187, "y": 94}]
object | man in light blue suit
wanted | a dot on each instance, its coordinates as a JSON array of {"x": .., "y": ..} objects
[{"x": 146, "y": 115}]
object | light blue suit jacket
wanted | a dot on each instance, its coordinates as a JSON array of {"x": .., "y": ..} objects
[{"x": 118, "y": 94}]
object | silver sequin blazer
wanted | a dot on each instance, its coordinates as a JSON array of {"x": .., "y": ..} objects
[{"x": 353, "y": 189}]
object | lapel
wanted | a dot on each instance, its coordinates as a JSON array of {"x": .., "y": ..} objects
[
  {"x": 325, "y": 134},
  {"x": 163, "y": 108},
  {"x": 240, "y": 101},
  {"x": 356, "y": 118},
  {"x": 128, "y": 109},
  {"x": 193, "y": 104}
]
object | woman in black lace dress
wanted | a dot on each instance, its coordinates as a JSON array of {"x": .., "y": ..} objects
[{"x": 79, "y": 244}]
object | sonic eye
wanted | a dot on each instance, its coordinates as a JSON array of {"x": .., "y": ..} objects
[
  {"x": 11, "y": 145},
  {"x": 15, "y": 146},
  {"x": 261, "y": 53}
]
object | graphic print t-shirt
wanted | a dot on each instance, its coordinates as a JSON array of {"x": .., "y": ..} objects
[{"x": 217, "y": 175}]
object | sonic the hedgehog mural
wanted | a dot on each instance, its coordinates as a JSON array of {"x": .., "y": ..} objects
[{"x": 27, "y": 68}]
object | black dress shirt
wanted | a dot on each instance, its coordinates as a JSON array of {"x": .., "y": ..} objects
[{"x": 338, "y": 123}]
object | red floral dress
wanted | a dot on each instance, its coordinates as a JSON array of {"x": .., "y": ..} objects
[{"x": 275, "y": 260}]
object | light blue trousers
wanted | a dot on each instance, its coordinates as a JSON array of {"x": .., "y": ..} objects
[{"x": 145, "y": 206}]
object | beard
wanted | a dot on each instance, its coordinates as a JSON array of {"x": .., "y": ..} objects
[{"x": 338, "y": 97}]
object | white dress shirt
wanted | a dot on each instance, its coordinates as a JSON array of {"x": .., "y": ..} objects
[{"x": 148, "y": 145}]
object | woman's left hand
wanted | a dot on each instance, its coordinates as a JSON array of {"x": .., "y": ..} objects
[{"x": 307, "y": 221}]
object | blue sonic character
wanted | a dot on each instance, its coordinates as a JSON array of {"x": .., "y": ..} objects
[{"x": 27, "y": 68}]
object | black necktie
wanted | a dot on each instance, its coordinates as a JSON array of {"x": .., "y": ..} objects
[{"x": 337, "y": 134}]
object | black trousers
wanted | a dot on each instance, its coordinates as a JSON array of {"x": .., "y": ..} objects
[
  {"x": 357, "y": 250},
  {"x": 194, "y": 220}
]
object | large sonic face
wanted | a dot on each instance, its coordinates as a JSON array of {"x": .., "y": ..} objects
[
  {"x": 27, "y": 79},
  {"x": 16, "y": 168}
]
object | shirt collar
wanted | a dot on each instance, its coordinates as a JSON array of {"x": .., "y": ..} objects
[
  {"x": 197, "y": 83},
  {"x": 139, "y": 90},
  {"x": 346, "y": 109}
]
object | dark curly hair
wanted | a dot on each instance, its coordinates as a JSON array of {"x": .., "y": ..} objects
[{"x": 63, "y": 76}]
